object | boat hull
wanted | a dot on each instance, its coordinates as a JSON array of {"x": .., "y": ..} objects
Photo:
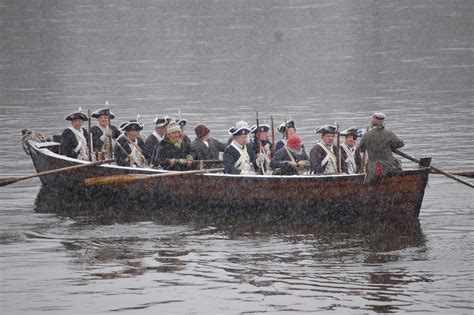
[{"x": 398, "y": 196}]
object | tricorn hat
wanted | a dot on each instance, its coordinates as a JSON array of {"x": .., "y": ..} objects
[
  {"x": 182, "y": 122},
  {"x": 327, "y": 129},
  {"x": 134, "y": 124},
  {"x": 352, "y": 131},
  {"x": 161, "y": 121},
  {"x": 288, "y": 124},
  {"x": 241, "y": 128},
  {"x": 76, "y": 115},
  {"x": 103, "y": 112},
  {"x": 261, "y": 128}
]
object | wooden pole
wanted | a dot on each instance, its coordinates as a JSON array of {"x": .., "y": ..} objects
[{"x": 438, "y": 170}]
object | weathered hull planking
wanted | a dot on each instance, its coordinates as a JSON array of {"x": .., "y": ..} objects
[{"x": 398, "y": 196}]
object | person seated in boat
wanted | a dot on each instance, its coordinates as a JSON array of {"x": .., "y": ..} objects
[
  {"x": 104, "y": 134},
  {"x": 205, "y": 148},
  {"x": 350, "y": 154},
  {"x": 154, "y": 139},
  {"x": 173, "y": 153},
  {"x": 379, "y": 143},
  {"x": 291, "y": 159},
  {"x": 323, "y": 156},
  {"x": 130, "y": 149},
  {"x": 75, "y": 139},
  {"x": 262, "y": 147},
  {"x": 287, "y": 129},
  {"x": 239, "y": 156}
]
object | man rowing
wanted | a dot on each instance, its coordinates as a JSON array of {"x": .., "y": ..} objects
[
  {"x": 205, "y": 148},
  {"x": 173, "y": 153},
  {"x": 291, "y": 159},
  {"x": 74, "y": 139},
  {"x": 379, "y": 143}
]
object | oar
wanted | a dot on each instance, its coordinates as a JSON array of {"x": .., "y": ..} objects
[
  {"x": 115, "y": 180},
  {"x": 438, "y": 170},
  {"x": 469, "y": 174},
  {"x": 11, "y": 180}
]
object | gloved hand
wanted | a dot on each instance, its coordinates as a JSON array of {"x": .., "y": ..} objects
[
  {"x": 260, "y": 158},
  {"x": 182, "y": 161}
]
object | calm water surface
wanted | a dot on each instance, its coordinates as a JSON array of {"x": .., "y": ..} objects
[{"x": 219, "y": 62}]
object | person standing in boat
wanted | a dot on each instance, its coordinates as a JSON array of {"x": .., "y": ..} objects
[
  {"x": 173, "y": 153},
  {"x": 287, "y": 129},
  {"x": 262, "y": 147},
  {"x": 153, "y": 140},
  {"x": 323, "y": 156},
  {"x": 130, "y": 149},
  {"x": 239, "y": 156},
  {"x": 350, "y": 154},
  {"x": 206, "y": 148},
  {"x": 379, "y": 143},
  {"x": 74, "y": 139},
  {"x": 104, "y": 134},
  {"x": 291, "y": 159}
]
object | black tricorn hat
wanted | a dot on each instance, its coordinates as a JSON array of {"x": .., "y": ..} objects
[
  {"x": 261, "y": 128},
  {"x": 76, "y": 115},
  {"x": 182, "y": 122},
  {"x": 103, "y": 112},
  {"x": 131, "y": 125},
  {"x": 352, "y": 131},
  {"x": 331, "y": 129},
  {"x": 161, "y": 121},
  {"x": 288, "y": 124}
]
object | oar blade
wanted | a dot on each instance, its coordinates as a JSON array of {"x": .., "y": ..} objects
[
  {"x": 112, "y": 180},
  {"x": 8, "y": 181}
]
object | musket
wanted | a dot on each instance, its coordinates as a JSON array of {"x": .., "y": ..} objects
[
  {"x": 90, "y": 134},
  {"x": 257, "y": 144},
  {"x": 339, "y": 159},
  {"x": 273, "y": 136},
  {"x": 111, "y": 150}
]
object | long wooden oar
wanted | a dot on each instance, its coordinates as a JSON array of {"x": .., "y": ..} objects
[
  {"x": 469, "y": 174},
  {"x": 115, "y": 180},
  {"x": 11, "y": 180},
  {"x": 437, "y": 170}
]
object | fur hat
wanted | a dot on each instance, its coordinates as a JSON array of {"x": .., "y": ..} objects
[
  {"x": 131, "y": 125},
  {"x": 294, "y": 142},
  {"x": 327, "y": 129},
  {"x": 103, "y": 112},
  {"x": 161, "y": 121},
  {"x": 241, "y": 128},
  {"x": 283, "y": 126},
  {"x": 201, "y": 130},
  {"x": 76, "y": 115},
  {"x": 173, "y": 126},
  {"x": 377, "y": 119},
  {"x": 261, "y": 128}
]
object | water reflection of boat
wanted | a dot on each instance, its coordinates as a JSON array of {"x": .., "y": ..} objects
[{"x": 398, "y": 196}]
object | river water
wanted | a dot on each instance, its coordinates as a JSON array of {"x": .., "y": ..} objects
[{"x": 217, "y": 62}]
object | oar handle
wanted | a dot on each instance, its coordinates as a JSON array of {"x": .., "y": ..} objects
[{"x": 433, "y": 168}]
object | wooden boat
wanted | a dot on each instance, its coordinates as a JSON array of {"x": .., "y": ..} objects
[{"x": 340, "y": 196}]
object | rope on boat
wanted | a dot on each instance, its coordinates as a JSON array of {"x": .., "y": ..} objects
[{"x": 29, "y": 134}]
